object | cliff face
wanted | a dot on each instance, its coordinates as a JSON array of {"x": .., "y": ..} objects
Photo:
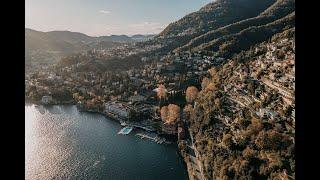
[{"x": 243, "y": 123}]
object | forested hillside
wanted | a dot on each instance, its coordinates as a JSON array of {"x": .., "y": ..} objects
[{"x": 243, "y": 120}]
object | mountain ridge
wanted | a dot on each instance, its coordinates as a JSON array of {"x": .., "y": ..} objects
[
  {"x": 278, "y": 10},
  {"x": 49, "y": 47},
  {"x": 63, "y": 34}
]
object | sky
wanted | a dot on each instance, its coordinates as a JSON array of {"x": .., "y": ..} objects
[{"x": 106, "y": 17}]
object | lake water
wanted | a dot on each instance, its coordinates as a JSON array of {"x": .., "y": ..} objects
[{"x": 62, "y": 143}]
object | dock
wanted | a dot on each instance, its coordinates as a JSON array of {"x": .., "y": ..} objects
[
  {"x": 126, "y": 130},
  {"x": 156, "y": 139},
  {"x": 136, "y": 125},
  {"x": 144, "y": 128}
]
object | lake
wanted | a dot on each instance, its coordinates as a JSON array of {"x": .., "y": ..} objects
[{"x": 62, "y": 143}]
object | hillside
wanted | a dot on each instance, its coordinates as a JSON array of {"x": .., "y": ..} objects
[
  {"x": 48, "y": 47},
  {"x": 221, "y": 27},
  {"x": 279, "y": 9},
  {"x": 212, "y": 16},
  {"x": 243, "y": 121},
  {"x": 215, "y": 15},
  {"x": 227, "y": 45},
  {"x": 54, "y": 41}
]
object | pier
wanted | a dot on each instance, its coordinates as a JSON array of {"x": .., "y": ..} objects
[
  {"x": 136, "y": 125},
  {"x": 144, "y": 128},
  {"x": 156, "y": 139}
]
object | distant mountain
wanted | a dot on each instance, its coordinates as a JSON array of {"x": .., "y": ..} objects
[
  {"x": 68, "y": 36},
  {"x": 140, "y": 37},
  {"x": 115, "y": 38},
  {"x": 63, "y": 41},
  {"x": 69, "y": 41},
  {"x": 48, "y": 47}
]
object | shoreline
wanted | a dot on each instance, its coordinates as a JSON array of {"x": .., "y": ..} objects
[
  {"x": 70, "y": 102},
  {"x": 172, "y": 139}
]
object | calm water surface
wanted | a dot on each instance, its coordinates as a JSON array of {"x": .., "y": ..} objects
[{"x": 62, "y": 143}]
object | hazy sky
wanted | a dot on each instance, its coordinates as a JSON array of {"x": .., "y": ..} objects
[{"x": 105, "y": 17}]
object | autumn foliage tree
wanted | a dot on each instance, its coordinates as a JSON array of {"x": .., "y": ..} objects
[
  {"x": 75, "y": 96},
  {"x": 170, "y": 113},
  {"x": 164, "y": 113},
  {"x": 162, "y": 92},
  {"x": 191, "y": 94},
  {"x": 212, "y": 71},
  {"x": 186, "y": 111},
  {"x": 205, "y": 82}
]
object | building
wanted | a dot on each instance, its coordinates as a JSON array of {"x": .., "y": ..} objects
[
  {"x": 46, "y": 99},
  {"x": 266, "y": 113},
  {"x": 118, "y": 110},
  {"x": 137, "y": 98}
]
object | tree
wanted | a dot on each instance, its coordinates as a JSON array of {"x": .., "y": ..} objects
[
  {"x": 170, "y": 113},
  {"x": 251, "y": 87},
  {"x": 205, "y": 82},
  {"x": 249, "y": 153},
  {"x": 212, "y": 71},
  {"x": 191, "y": 94},
  {"x": 186, "y": 111},
  {"x": 227, "y": 140},
  {"x": 161, "y": 93},
  {"x": 174, "y": 113},
  {"x": 217, "y": 103},
  {"x": 211, "y": 87},
  {"x": 164, "y": 113},
  {"x": 75, "y": 96}
]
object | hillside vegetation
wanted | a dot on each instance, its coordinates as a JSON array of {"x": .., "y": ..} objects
[
  {"x": 244, "y": 127},
  {"x": 279, "y": 9},
  {"x": 223, "y": 28}
]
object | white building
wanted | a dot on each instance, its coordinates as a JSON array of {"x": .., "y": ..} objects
[
  {"x": 46, "y": 99},
  {"x": 118, "y": 109}
]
